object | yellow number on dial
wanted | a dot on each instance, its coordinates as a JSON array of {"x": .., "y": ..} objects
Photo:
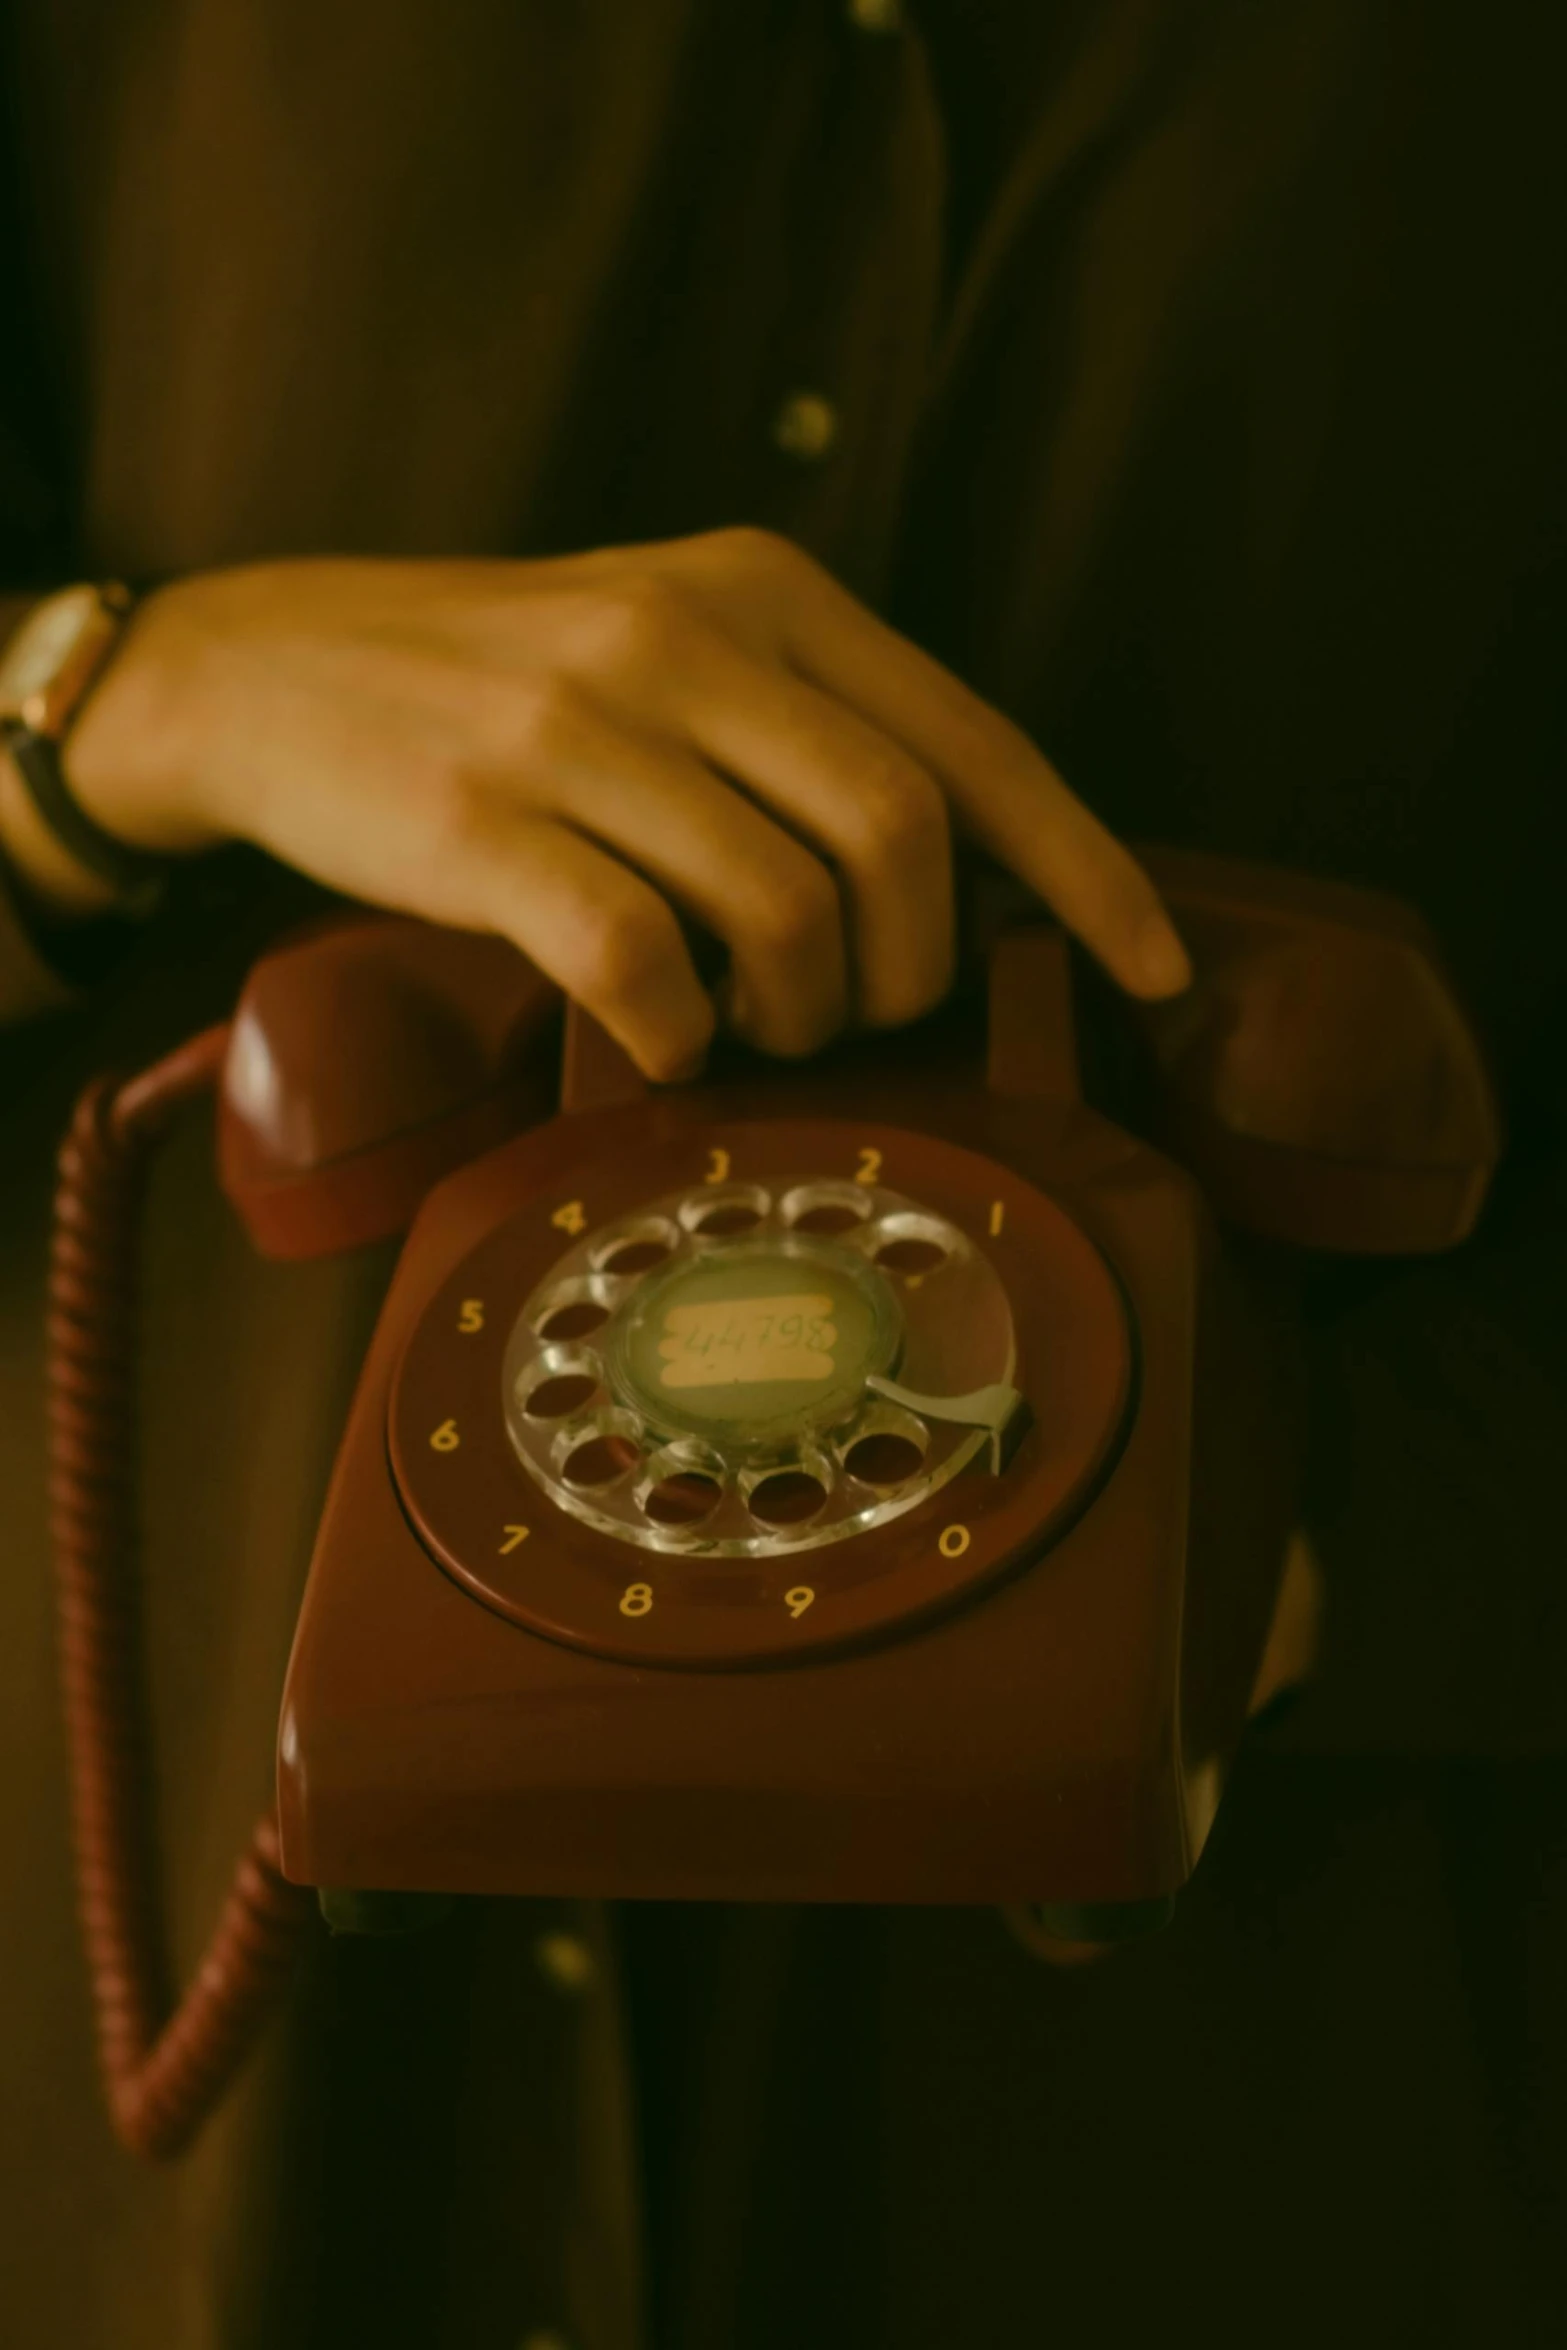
[
  {"x": 869, "y": 1167},
  {"x": 954, "y": 1541},
  {"x": 998, "y": 1216},
  {"x": 717, "y": 1167},
  {"x": 471, "y": 1314},
  {"x": 570, "y": 1218},
  {"x": 445, "y": 1438},
  {"x": 637, "y": 1600},
  {"x": 799, "y": 1599},
  {"x": 514, "y": 1535}
]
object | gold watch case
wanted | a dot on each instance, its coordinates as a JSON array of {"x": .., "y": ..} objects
[{"x": 53, "y": 657}]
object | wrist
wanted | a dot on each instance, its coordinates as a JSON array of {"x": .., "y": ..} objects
[
  {"x": 123, "y": 758},
  {"x": 56, "y": 887},
  {"x": 66, "y": 864}
]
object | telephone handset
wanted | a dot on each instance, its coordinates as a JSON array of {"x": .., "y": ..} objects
[{"x": 867, "y": 1481}]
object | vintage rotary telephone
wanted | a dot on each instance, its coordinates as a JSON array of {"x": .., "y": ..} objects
[{"x": 863, "y": 1481}]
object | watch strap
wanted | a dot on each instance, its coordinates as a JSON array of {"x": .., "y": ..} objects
[{"x": 136, "y": 876}]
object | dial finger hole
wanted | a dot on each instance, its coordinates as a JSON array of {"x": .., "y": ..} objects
[
  {"x": 573, "y": 1308},
  {"x": 788, "y": 1497},
  {"x": 599, "y": 1460},
  {"x": 636, "y": 1256},
  {"x": 638, "y": 1247},
  {"x": 558, "y": 1397},
  {"x": 723, "y": 1215},
  {"x": 884, "y": 1458},
  {"x": 913, "y": 1245},
  {"x": 684, "y": 1498},
  {"x": 723, "y": 1223},
  {"x": 577, "y": 1318},
  {"x": 826, "y": 1208},
  {"x": 911, "y": 1256}
]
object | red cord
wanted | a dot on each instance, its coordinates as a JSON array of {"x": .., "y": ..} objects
[{"x": 164, "y": 2066}]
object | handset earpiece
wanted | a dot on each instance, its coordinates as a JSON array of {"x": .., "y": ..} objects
[
  {"x": 367, "y": 1058},
  {"x": 1320, "y": 1079}
]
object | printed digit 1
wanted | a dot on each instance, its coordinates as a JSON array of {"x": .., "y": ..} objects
[{"x": 998, "y": 1216}]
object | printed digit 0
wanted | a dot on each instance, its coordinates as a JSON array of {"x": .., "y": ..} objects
[
  {"x": 954, "y": 1541},
  {"x": 638, "y": 1598}
]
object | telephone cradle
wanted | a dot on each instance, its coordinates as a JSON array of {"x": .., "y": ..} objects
[{"x": 862, "y": 1481}]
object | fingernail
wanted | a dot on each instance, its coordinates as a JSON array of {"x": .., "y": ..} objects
[{"x": 1163, "y": 961}]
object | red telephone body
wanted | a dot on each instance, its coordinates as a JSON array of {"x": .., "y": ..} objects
[{"x": 867, "y": 1481}]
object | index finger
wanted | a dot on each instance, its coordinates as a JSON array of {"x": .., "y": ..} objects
[{"x": 1008, "y": 796}]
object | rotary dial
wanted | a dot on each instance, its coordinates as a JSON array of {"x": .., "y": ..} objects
[{"x": 761, "y": 1368}]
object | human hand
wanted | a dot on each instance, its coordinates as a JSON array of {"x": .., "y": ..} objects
[{"x": 567, "y": 750}]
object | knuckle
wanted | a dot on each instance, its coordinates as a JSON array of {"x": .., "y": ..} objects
[
  {"x": 457, "y": 810},
  {"x": 640, "y": 621},
  {"x": 799, "y": 915},
  {"x": 551, "y": 712},
  {"x": 618, "y": 951},
  {"x": 895, "y": 814}
]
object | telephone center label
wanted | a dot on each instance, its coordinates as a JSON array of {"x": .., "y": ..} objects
[{"x": 747, "y": 1341}]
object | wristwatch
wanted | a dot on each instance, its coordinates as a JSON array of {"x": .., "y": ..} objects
[{"x": 46, "y": 667}]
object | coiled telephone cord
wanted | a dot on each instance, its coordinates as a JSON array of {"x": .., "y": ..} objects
[{"x": 165, "y": 2064}]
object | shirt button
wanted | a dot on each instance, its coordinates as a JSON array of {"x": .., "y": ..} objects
[
  {"x": 566, "y": 1961},
  {"x": 805, "y": 426},
  {"x": 876, "y": 16}
]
